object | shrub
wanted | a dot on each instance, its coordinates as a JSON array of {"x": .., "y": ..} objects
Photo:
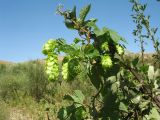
[
  {"x": 37, "y": 80},
  {"x": 125, "y": 88},
  {"x": 11, "y": 83}
]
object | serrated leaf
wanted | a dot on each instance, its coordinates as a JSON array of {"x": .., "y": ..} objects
[
  {"x": 154, "y": 114},
  {"x": 83, "y": 13},
  {"x": 68, "y": 49},
  {"x": 136, "y": 99},
  {"x": 143, "y": 105},
  {"x": 115, "y": 37},
  {"x": 109, "y": 33},
  {"x": 91, "y": 23},
  {"x": 115, "y": 86},
  {"x": 78, "y": 96},
  {"x": 90, "y": 51},
  {"x": 123, "y": 107}
]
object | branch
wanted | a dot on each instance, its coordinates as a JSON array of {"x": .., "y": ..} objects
[
  {"x": 139, "y": 78},
  {"x": 95, "y": 112}
]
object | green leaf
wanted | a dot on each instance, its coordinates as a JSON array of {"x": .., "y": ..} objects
[
  {"x": 108, "y": 33},
  {"x": 91, "y": 23},
  {"x": 80, "y": 113},
  {"x": 151, "y": 72},
  {"x": 83, "y": 13},
  {"x": 115, "y": 87},
  {"x": 90, "y": 51},
  {"x": 77, "y": 40},
  {"x": 73, "y": 13},
  {"x": 123, "y": 107},
  {"x": 135, "y": 61},
  {"x": 114, "y": 35},
  {"x": 143, "y": 105},
  {"x": 154, "y": 115},
  {"x": 78, "y": 96},
  {"x": 136, "y": 99},
  {"x": 68, "y": 97},
  {"x": 69, "y": 24},
  {"x": 111, "y": 107},
  {"x": 95, "y": 76},
  {"x": 68, "y": 49},
  {"x": 112, "y": 79},
  {"x": 73, "y": 68},
  {"x": 99, "y": 32},
  {"x": 62, "y": 114},
  {"x": 144, "y": 68}
]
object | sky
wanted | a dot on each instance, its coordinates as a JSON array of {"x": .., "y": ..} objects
[{"x": 25, "y": 25}]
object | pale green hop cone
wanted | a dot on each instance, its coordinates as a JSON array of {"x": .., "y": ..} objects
[{"x": 106, "y": 61}]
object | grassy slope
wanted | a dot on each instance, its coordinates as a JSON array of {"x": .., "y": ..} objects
[{"x": 28, "y": 107}]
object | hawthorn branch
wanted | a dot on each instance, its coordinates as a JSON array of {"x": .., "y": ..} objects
[
  {"x": 139, "y": 78},
  {"x": 78, "y": 26}
]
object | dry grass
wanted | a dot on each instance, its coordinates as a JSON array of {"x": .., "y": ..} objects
[
  {"x": 5, "y": 62},
  {"x": 19, "y": 114}
]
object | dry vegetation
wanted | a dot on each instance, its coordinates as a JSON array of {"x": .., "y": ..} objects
[{"x": 24, "y": 88}]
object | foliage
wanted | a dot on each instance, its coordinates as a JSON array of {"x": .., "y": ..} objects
[
  {"x": 17, "y": 80},
  {"x": 25, "y": 89},
  {"x": 11, "y": 82},
  {"x": 36, "y": 83},
  {"x": 126, "y": 89}
]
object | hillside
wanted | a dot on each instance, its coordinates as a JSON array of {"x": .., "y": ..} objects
[{"x": 5, "y": 62}]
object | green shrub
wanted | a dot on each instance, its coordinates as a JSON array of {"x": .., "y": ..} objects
[
  {"x": 37, "y": 80},
  {"x": 11, "y": 83}
]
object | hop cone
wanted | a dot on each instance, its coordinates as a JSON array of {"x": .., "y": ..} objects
[{"x": 106, "y": 61}]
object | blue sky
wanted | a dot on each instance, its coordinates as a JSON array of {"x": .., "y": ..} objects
[{"x": 25, "y": 25}]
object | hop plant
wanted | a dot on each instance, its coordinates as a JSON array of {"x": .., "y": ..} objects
[
  {"x": 52, "y": 67},
  {"x": 105, "y": 46},
  {"x": 119, "y": 49},
  {"x": 65, "y": 71},
  {"x": 106, "y": 61},
  {"x": 49, "y": 46}
]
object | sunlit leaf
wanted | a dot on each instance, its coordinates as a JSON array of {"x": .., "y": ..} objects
[
  {"x": 123, "y": 107},
  {"x": 83, "y": 13},
  {"x": 151, "y": 72}
]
